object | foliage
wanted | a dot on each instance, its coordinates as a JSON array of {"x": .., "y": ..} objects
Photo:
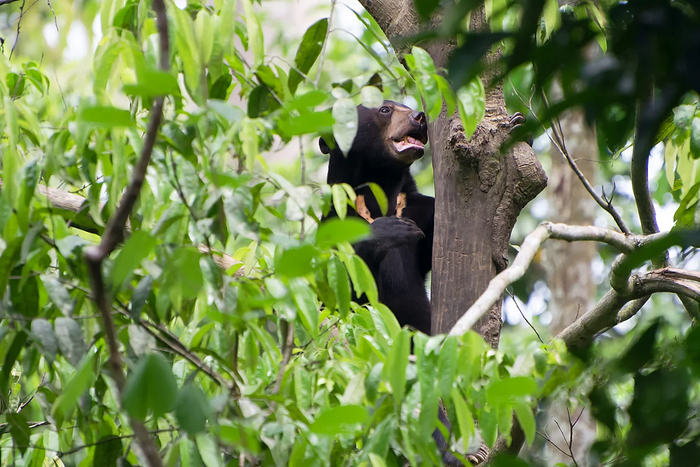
[{"x": 209, "y": 370}]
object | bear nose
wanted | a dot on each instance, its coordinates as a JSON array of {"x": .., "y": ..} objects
[{"x": 418, "y": 117}]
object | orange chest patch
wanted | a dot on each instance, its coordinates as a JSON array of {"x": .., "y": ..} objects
[{"x": 363, "y": 210}]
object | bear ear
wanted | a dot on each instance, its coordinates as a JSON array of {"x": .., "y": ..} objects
[{"x": 325, "y": 149}]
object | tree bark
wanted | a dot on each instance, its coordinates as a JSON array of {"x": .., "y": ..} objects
[
  {"x": 568, "y": 267},
  {"x": 479, "y": 191}
]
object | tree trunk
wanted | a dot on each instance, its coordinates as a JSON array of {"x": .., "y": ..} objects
[
  {"x": 568, "y": 267},
  {"x": 479, "y": 191}
]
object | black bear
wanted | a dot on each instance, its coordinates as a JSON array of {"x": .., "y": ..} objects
[{"x": 399, "y": 253}]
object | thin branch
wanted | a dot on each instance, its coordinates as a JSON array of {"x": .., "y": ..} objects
[
  {"x": 561, "y": 146},
  {"x": 7, "y": 2},
  {"x": 512, "y": 297},
  {"x": 19, "y": 23},
  {"x": 322, "y": 57},
  {"x": 108, "y": 440},
  {"x": 114, "y": 232},
  {"x": 287, "y": 354},
  {"x": 546, "y": 438}
]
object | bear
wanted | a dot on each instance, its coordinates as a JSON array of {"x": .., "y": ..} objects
[{"x": 399, "y": 253}]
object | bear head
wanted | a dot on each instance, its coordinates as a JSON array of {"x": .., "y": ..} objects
[{"x": 391, "y": 134}]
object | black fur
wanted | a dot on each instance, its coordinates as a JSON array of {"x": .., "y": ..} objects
[{"x": 400, "y": 251}]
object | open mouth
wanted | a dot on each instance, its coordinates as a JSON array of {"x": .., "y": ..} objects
[{"x": 408, "y": 142}]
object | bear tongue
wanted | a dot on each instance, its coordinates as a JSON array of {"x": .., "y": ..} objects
[{"x": 406, "y": 143}]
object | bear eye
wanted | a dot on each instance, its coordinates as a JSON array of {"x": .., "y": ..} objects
[{"x": 384, "y": 110}]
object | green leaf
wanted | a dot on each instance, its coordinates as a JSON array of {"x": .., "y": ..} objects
[
  {"x": 695, "y": 138},
  {"x": 371, "y": 97},
  {"x": 396, "y": 363},
  {"x": 74, "y": 388},
  {"x": 295, "y": 262},
  {"x": 58, "y": 294},
  {"x": 425, "y": 8},
  {"x": 447, "y": 93},
  {"x": 8, "y": 363},
  {"x": 334, "y": 231},
  {"x": 255, "y": 33},
  {"x": 108, "y": 451},
  {"x": 670, "y": 155},
  {"x": 447, "y": 365},
  {"x": 551, "y": 17},
  {"x": 188, "y": 53},
  {"x": 345, "y": 126},
  {"x": 340, "y": 420},
  {"x": 683, "y": 116},
  {"x": 364, "y": 280},
  {"x": 307, "y": 53},
  {"x": 192, "y": 409},
  {"x": 392, "y": 324},
  {"x": 305, "y": 300},
  {"x": 527, "y": 421},
  {"x": 249, "y": 141},
  {"x": 339, "y": 282},
  {"x": 241, "y": 437},
  {"x": 509, "y": 389},
  {"x": 380, "y": 196},
  {"x": 186, "y": 285},
  {"x": 427, "y": 377},
  {"x": 152, "y": 84},
  {"x": 45, "y": 338},
  {"x": 19, "y": 430},
  {"x": 340, "y": 200},
  {"x": 137, "y": 248},
  {"x": 151, "y": 387},
  {"x": 464, "y": 418},
  {"x": 209, "y": 451},
  {"x": 306, "y": 122},
  {"x": 422, "y": 60},
  {"x": 106, "y": 116},
  {"x": 70, "y": 340}
]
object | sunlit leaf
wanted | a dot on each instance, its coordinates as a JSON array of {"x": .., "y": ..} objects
[
  {"x": 395, "y": 369},
  {"x": 345, "y": 126},
  {"x": 344, "y": 419}
]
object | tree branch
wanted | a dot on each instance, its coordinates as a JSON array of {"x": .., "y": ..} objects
[
  {"x": 65, "y": 201},
  {"x": 528, "y": 249},
  {"x": 558, "y": 140},
  {"x": 114, "y": 233}
]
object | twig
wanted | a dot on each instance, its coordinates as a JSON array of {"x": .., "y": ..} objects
[
  {"x": 322, "y": 57},
  {"x": 19, "y": 23},
  {"x": 55, "y": 21},
  {"x": 512, "y": 297},
  {"x": 113, "y": 234},
  {"x": 108, "y": 440},
  {"x": 288, "y": 347},
  {"x": 558, "y": 141},
  {"x": 605, "y": 204},
  {"x": 546, "y": 438}
]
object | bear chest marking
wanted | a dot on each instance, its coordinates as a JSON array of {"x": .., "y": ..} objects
[{"x": 363, "y": 210}]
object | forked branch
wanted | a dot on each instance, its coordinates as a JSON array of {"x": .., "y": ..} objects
[{"x": 114, "y": 232}]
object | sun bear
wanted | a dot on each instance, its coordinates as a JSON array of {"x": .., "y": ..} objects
[{"x": 399, "y": 253}]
